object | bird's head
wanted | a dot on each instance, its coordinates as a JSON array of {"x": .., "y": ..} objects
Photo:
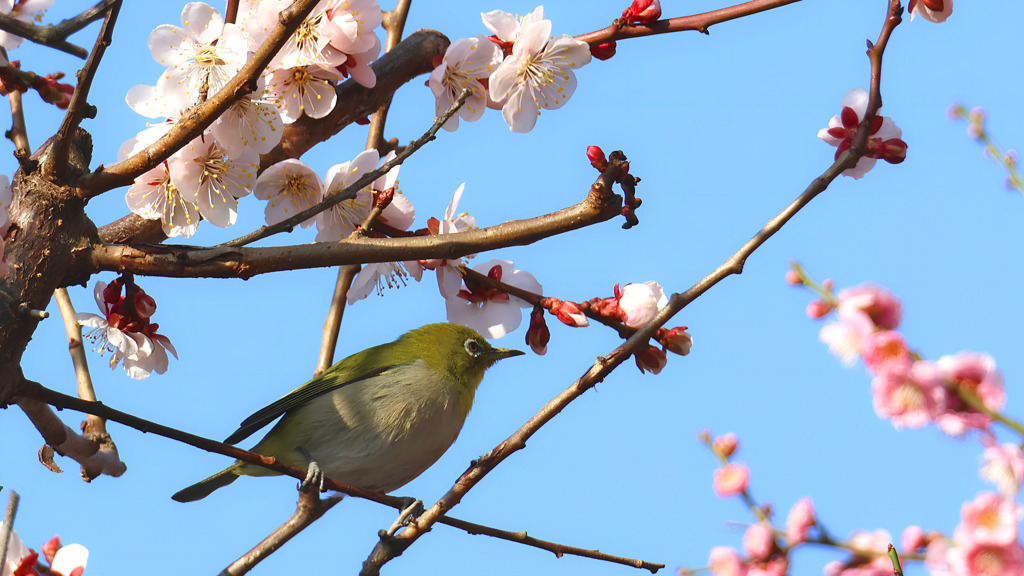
[{"x": 459, "y": 353}]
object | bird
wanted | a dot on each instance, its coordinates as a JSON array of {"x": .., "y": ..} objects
[{"x": 375, "y": 420}]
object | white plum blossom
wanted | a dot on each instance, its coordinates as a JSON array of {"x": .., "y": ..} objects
[
  {"x": 210, "y": 178},
  {"x": 28, "y": 11},
  {"x": 291, "y": 187},
  {"x": 154, "y": 197},
  {"x": 492, "y": 312},
  {"x": 640, "y": 302},
  {"x": 842, "y": 129},
  {"x": 538, "y": 74},
  {"x": 343, "y": 218},
  {"x": 70, "y": 558},
  {"x": 252, "y": 123},
  {"x": 303, "y": 89},
  {"x": 506, "y": 27},
  {"x": 465, "y": 63},
  {"x": 309, "y": 45},
  {"x": 206, "y": 52},
  {"x": 375, "y": 276},
  {"x": 107, "y": 337},
  {"x": 357, "y": 64},
  {"x": 353, "y": 23},
  {"x": 449, "y": 280}
]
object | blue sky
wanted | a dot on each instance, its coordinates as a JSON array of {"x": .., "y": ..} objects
[{"x": 722, "y": 130}]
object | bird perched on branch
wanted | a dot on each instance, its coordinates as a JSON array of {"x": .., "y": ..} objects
[{"x": 376, "y": 419}]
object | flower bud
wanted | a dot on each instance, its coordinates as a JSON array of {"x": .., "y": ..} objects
[
  {"x": 642, "y": 12},
  {"x": 731, "y": 479},
  {"x": 677, "y": 340},
  {"x": 725, "y": 445},
  {"x": 651, "y": 359},
  {"x": 603, "y": 51},
  {"x": 597, "y": 158},
  {"x": 818, "y": 309},
  {"x": 538, "y": 335},
  {"x": 571, "y": 315},
  {"x": 793, "y": 278}
]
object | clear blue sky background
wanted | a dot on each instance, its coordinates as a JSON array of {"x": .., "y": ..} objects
[{"x": 722, "y": 129}]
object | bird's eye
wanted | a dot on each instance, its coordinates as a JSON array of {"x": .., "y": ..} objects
[{"x": 473, "y": 347}]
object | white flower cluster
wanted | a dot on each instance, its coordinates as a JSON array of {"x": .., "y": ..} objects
[
  {"x": 206, "y": 177},
  {"x": 519, "y": 70}
]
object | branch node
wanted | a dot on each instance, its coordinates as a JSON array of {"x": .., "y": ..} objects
[{"x": 24, "y": 309}]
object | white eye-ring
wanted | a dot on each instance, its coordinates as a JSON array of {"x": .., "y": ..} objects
[{"x": 473, "y": 347}]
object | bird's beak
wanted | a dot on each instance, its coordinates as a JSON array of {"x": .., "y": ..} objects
[{"x": 499, "y": 353}]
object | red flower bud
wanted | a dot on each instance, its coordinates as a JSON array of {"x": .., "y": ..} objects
[
  {"x": 651, "y": 359},
  {"x": 642, "y": 12},
  {"x": 538, "y": 336},
  {"x": 603, "y": 51},
  {"x": 597, "y": 158}
]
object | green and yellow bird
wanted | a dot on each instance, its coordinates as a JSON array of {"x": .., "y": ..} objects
[{"x": 376, "y": 419}]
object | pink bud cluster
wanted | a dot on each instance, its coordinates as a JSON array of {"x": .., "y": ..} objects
[
  {"x": 763, "y": 555},
  {"x": 892, "y": 150}
]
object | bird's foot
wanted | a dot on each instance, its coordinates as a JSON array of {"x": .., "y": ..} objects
[
  {"x": 413, "y": 508},
  {"x": 314, "y": 479}
]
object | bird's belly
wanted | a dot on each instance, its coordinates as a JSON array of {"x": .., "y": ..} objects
[{"x": 377, "y": 442}]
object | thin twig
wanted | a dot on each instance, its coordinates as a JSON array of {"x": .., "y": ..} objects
[
  {"x": 696, "y": 22},
  {"x": 308, "y": 509},
  {"x": 332, "y": 324},
  {"x": 18, "y": 133},
  {"x": 43, "y": 35},
  {"x": 8, "y": 527},
  {"x": 350, "y": 192},
  {"x": 57, "y": 162},
  {"x": 93, "y": 427},
  {"x": 37, "y": 392}
]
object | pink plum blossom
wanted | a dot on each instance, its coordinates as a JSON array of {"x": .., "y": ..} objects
[
  {"x": 490, "y": 311},
  {"x": 507, "y": 27},
  {"x": 909, "y": 396},
  {"x": 883, "y": 350},
  {"x": 726, "y": 561},
  {"x": 353, "y": 23},
  {"x": 976, "y": 374},
  {"x": 931, "y": 10},
  {"x": 989, "y": 518},
  {"x": 913, "y": 538},
  {"x": 799, "y": 521},
  {"x": 252, "y": 123},
  {"x": 1004, "y": 465},
  {"x": 466, "y": 62},
  {"x": 884, "y": 141},
  {"x": 860, "y": 311},
  {"x": 154, "y": 197},
  {"x": 537, "y": 74},
  {"x": 340, "y": 220},
  {"x": 986, "y": 559},
  {"x": 759, "y": 541},
  {"x": 731, "y": 479}
]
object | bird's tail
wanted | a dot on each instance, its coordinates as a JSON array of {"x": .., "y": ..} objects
[{"x": 204, "y": 488}]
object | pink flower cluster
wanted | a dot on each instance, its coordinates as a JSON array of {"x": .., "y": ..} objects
[
  {"x": 908, "y": 390},
  {"x": 986, "y": 543}
]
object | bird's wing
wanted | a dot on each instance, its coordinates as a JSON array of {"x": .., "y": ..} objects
[{"x": 315, "y": 387}]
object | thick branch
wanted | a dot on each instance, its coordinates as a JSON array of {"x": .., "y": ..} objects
[
  {"x": 245, "y": 262},
  {"x": 67, "y": 442}
]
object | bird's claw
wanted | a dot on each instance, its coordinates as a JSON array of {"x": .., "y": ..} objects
[
  {"x": 314, "y": 475},
  {"x": 413, "y": 508}
]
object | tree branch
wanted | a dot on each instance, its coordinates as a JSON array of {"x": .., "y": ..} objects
[
  {"x": 697, "y": 22},
  {"x": 225, "y": 262}
]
